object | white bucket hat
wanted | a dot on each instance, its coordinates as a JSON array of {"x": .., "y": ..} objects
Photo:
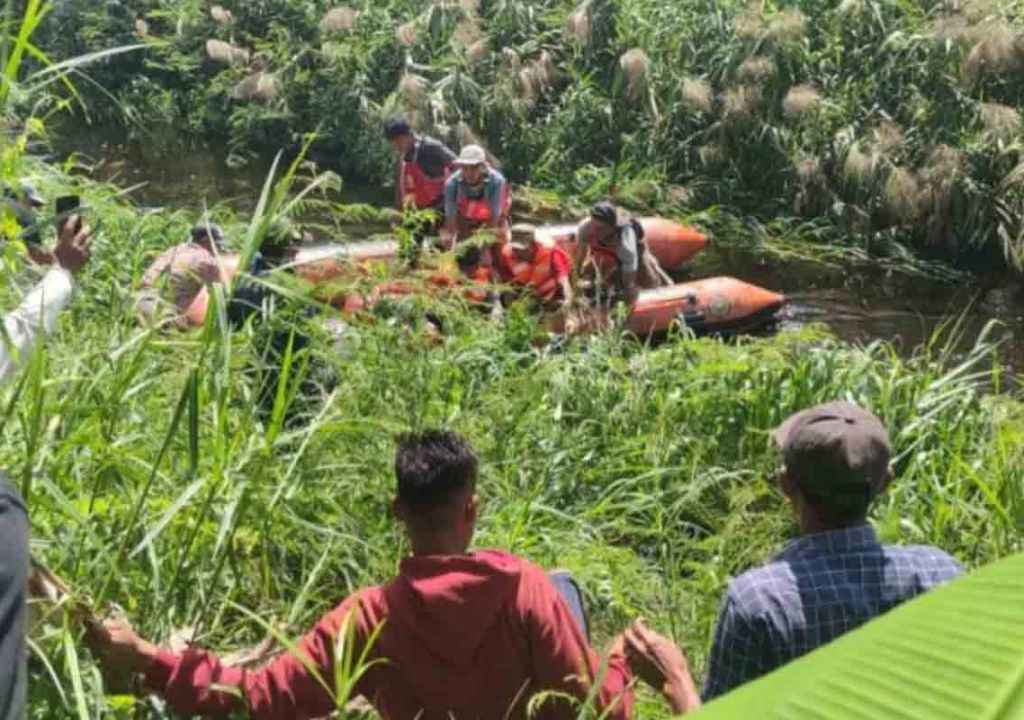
[{"x": 472, "y": 155}]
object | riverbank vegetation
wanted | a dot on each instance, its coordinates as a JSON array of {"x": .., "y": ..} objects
[
  {"x": 648, "y": 471},
  {"x": 861, "y": 122},
  {"x": 154, "y": 484}
]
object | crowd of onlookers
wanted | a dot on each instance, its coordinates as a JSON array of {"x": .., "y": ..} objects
[{"x": 463, "y": 633}]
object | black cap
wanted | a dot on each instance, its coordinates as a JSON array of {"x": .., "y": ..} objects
[
  {"x": 605, "y": 212},
  {"x": 835, "y": 446}
]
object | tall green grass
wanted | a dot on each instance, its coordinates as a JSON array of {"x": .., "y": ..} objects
[{"x": 648, "y": 471}]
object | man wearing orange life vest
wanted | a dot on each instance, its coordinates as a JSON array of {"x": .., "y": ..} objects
[
  {"x": 539, "y": 265},
  {"x": 422, "y": 169},
  {"x": 610, "y": 249},
  {"x": 476, "y": 196}
]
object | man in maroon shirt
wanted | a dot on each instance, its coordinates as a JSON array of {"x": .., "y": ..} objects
[{"x": 467, "y": 634}]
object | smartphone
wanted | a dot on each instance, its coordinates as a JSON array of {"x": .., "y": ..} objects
[{"x": 67, "y": 206}]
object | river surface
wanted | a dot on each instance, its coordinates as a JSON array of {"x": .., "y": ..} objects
[{"x": 860, "y": 303}]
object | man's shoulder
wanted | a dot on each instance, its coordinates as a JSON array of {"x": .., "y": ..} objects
[
  {"x": 9, "y": 494},
  {"x": 753, "y": 588},
  {"x": 923, "y": 559},
  {"x": 434, "y": 145}
]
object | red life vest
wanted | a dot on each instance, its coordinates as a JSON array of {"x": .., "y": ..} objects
[
  {"x": 479, "y": 209},
  {"x": 540, "y": 274},
  {"x": 419, "y": 189}
]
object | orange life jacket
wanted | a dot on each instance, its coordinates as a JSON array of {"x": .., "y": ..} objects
[
  {"x": 419, "y": 189},
  {"x": 479, "y": 209},
  {"x": 540, "y": 274}
]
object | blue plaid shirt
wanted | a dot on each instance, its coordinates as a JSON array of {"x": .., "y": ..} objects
[{"x": 816, "y": 589}]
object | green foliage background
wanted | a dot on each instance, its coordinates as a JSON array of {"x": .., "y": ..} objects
[{"x": 876, "y": 122}]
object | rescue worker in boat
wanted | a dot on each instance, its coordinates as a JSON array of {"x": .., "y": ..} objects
[
  {"x": 475, "y": 263},
  {"x": 422, "y": 168},
  {"x": 476, "y": 197},
  {"x": 611, "y": 252},
  {"x": 185, "y": 268},
  {"x": 539, "y": 266}
]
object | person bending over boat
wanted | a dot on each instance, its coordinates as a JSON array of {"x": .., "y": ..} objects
[
  {"x": 456, "y": 634},
  {"x": 612, "y": 255},
  {"x": 186, "y": 268},
  {"x": 476, "y": 197},
  {"x": 539, "y": 266},
  {"x": 422, "y": 168}
]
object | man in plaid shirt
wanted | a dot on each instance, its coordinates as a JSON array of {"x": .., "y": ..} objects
[{"x": 836, "y": 575}]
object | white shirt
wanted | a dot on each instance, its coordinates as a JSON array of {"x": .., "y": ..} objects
[{"x": 34, "y": 318}]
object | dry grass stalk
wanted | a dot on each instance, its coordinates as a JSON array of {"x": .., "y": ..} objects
[
  {"x": 408, "y": 33},
  {"x": 788, "y": 26},
  {"x": 225, "y": 52},
  {"x": 220, "y": 14},
  {"x": 635, "y": 66},
  {"x": 902, "y": 195},
  {"x": 858, "y": 167},
  {"x": 511, "y": 59},
  {"x": 260, "y": 85},
  {"x": 679, "y": 195},
  {"x": 740, "y": 102},
  {"x": 697, "y": 94},
  {"x": 808, "y": 170},
  {"x": 413, "y": 89},
  {"x": 577, "y": 26},
  {"x": 339, "y": 19},
  {"x": 800, "y": 100},
  {"x": 711, "y": 155},
  {"x": 850, "y": 8},
  {"x": 1014, "y": 179},
  {"x": 466, "y": 33},
  {"x": 477, "y": 51},
  {"x": 886, "y": 137},
  {"x": 999, "y": 51},
  {"x": 755, "y": 69},
  {"x": 939, "y": 179},
  {"x": 1002, "y": 122},
  {"x": 465, "y": 136},
  {"x": 750, "y": 23}
]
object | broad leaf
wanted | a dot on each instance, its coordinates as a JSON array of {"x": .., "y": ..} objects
[{"x": 955, "y": 652}]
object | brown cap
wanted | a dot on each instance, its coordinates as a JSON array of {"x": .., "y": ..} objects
[
  {"x": 522, "y": 235},
  {"x": 835, "y": 445}
]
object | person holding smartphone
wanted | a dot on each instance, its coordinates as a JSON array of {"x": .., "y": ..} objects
[
  {"x": 22, "y": 329},
  {"x": 24, "y": 326}
]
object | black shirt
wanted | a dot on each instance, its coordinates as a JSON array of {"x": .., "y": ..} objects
[
  {"x": 431, "y": 155},
  {"x": 13, "y": 578}
]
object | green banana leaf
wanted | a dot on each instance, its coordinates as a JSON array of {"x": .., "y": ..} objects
[{"x": 955, "y": 652}]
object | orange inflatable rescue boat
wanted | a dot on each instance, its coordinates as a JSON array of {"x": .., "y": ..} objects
[
  {"x": 672, "y": 243},
  {"x": 717, "y": 304}
]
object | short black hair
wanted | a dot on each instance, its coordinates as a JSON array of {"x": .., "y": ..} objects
[
  {"x": 432, "y": 468},
  {"x": 837, "y": 505},
  {"x": 396, "y": 126},
  {"x": 207, "y": 232}
]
